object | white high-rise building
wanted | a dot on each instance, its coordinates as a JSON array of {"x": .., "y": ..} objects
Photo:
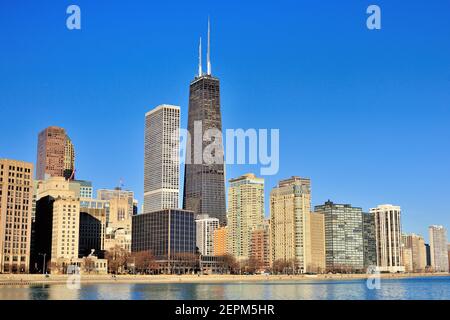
[
  {"x": 205, "y": 234},
  {"x": 438, "y": 248},
  {"x": 388, "y": 232},
  {"x": 162, "y": 158}
]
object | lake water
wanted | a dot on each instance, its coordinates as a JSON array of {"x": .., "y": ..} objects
[{"x": 405, "y": 289}]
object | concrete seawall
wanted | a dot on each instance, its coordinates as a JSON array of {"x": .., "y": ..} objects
[{"x": 28, "y": 280}]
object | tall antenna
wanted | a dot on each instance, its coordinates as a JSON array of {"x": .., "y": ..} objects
[
  {"x": 209, "y": 47},
  {"x": 200, "y": 71}
]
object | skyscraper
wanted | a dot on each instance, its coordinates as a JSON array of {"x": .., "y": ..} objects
[
  {"x": 438, "y": 248},
  {"x": 16, "y": 193},
  {"x": 162, "y": 163},
  {"x": 388, "y": 232},
  {"x": 55, "y": 155},
  {"x": 369, "y": 240},
  {"x": 245, "y": 213},
  {"x": 204, "y": 185},
  {"x": 343, "y": 236},
  {"x": 290, "y": 206}
]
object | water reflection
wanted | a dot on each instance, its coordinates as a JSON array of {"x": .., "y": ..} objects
[{"x": 410, "y": 289}]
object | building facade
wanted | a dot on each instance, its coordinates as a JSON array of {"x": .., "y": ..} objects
[
  {"x": 205, "y": 234},
  {"x": 418, "y": 259},
  {"x": 56, "y": 227},
  {"x": 92, "y": 227},
  {"x": 245, "y": 213},
  {"x": 369, "y": 240},
  {"x": 220, "y": 241},
  {"x": 55, "y": 155},
  {"x": 16, "y": 197},
  {"x": 318, "y": 257},
  {"x": 170, "y": 235},
  {"x": 344, "y": 247},
  {"x": 290, "y": 206},
  {"x": 204, "y": 185},
  {"x": 260, "y": 246},
  {"x": 438, "y": 248},
  {"x": 388, "y": 233},
  {"x": 162, "y": 163}
]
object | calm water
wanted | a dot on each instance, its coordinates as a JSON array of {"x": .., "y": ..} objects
[{"x": 410, "y": 289}]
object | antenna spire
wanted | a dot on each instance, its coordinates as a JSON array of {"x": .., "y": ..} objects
[
  {"x": 200, "y": 71},
  {"x": 209, "y": 47}
]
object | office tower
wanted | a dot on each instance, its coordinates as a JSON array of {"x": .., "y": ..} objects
[
  {"x": 245, "y": 213},
  {"x": 438, "y": 248},
  {"x": 388, "y": 233},
  {"x": 170, "y": 235},
  {"x": 290, "y": 205},
  {"x": 317, "y": 233},
  {"x": 204, "y": 184},
  {"x": 92, "y": 227},
  {"x": 260, "y": 246},
  {"x": 205, "y": 234},
  {"x": 220, "y": 241},
  {"x": 56, "y": 155},
  {"x": 343, "y": 236},
  {"x": 369, "y": 240},
  {"x": 16, "y": 196},
  {"x": 56, "y": 227},
  {"x": 417, "y": 261},
  {"x": 162, "y": 163}
]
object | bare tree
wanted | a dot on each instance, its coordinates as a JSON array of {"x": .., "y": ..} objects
[{"x": 117, "y": 259}]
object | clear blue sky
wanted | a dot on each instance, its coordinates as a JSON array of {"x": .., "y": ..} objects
[{"x": 364, "y": 114}]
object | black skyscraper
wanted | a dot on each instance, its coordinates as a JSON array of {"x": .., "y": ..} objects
[{"x": 204, "y": 185}]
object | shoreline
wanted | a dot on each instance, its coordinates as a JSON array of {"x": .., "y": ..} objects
[{"x": 24, "y": 280}]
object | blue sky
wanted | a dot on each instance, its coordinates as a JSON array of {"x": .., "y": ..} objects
[{"x": 365, "y": 114}]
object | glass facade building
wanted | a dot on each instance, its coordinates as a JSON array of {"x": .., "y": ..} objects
[
  {"x": 165, "y": 233},
  {"x": 344, "y": 248},
  {"x": 204, "y": 185}
]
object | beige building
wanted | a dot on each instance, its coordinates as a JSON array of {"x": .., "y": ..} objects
[
  {"x": 64, "y": 210},
  {"x": 414, "y": 245},
  {"x": 318, "y": 257},
  {"x": 245, "y": 213},
  {"x": 119, "y": 217},
  {"x": 290, "y": 207},
  {"x": 220, "y": 241},
  {"x": 16, "y": 198},
  {"x": 388, "y": 233}
]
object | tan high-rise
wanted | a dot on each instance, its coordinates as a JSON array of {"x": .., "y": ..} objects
[
  {"x": 317, "y": 234},
  {"x": 417, "y": 260},
  {"x": 16, "y": 194},
  {"x": 245, "y": 213},
  {"x": 55, "y": 154},
  {"x": 290, "y": 206}
]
